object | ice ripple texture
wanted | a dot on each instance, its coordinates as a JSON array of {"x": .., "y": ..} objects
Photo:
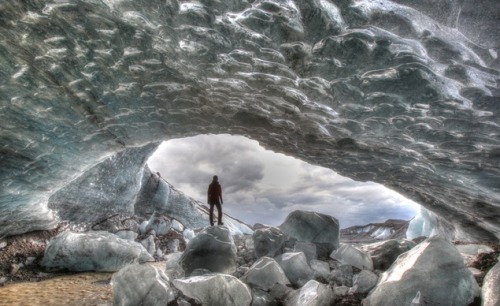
[{"x": 376, "y": 90}]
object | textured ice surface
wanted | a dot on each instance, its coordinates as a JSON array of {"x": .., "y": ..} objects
[{"x": 403, "y": 93}]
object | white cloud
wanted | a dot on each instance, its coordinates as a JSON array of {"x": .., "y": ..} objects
[{"x": 260, "y": 186}]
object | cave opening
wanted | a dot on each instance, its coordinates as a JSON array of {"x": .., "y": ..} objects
[{"x": 262, "y": 186}]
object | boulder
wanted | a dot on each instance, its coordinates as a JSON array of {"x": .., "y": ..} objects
[
  {"x": 296, "y": 268},
  {"x": 264, "y": 273},
  {"x": 364, "y": 281},
  {"x": 433, "y": 273},
  {"x": 491, "y": 287},
  {"x": 267, "y": 241},
  {"x": 384, "y": 253},
  {"x": 213, "y": 249},
  {"x": 215, "y": 290},
  {"x": 313, "y": 227},
  {"x": 350, "y": 255},
  {"x": 141, "y": 285},
  {"x": 92, "y": 251},
  {"x": 312, "y": 293}
]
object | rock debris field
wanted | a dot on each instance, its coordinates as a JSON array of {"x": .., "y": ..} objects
[{"x": 301, "y": 262}]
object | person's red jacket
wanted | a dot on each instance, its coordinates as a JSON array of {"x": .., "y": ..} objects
[{"x": 214, "y": 193}]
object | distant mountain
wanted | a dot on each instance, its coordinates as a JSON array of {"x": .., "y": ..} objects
[{"x": 390, "y": 229}]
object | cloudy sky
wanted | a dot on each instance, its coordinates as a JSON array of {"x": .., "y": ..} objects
[{"x": 260, "y": 186}]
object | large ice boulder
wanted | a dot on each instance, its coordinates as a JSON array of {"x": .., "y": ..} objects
[
  {"x": 350, "y": 255},
  {"x": 215, "y": 290},
  {"x": 491, "y": 287},
  {"x": 433, "y": 273},
  {"x": 313, "y": 227},
  {"x": 212, "y": 249},
  {"x": 384, "y": 253},
  {"x": 92, "y": 251},
  {"x": 296, "y": 267},
  {"x": 312, "y": 293},
  {"x": 268, "y": 241},
  {"x": 141, "y": 285},
  {"x": 265, "y": 273}
]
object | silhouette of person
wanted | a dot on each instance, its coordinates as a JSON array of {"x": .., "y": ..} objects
[{"x": 214, "y": 197}]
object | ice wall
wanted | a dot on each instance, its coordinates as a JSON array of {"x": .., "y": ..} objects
[{"x": 403, "y": 93}]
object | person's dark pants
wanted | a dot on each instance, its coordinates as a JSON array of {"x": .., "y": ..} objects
[{"x": 219, "y": 210}]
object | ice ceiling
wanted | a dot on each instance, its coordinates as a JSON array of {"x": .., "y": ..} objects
[{"x": 403, "y": 93}]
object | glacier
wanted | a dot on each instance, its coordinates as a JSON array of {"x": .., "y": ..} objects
[{"x": 403, "y": 93}]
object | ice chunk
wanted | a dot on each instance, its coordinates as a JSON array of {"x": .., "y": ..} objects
[
  {"x": 296, "y": 267},
  {"x": 265, "y": 273},
  {"x": 435, "y": 269},
  {"x": 384, "y": 253},
  {"x": 213, "y": 249},
  {"x": 141, "y": 285},
  {"x": 92, "y": 251},
  {"x": 215, "y": 289},
  {"x": 491, "y": 286},
  {"x": 268, "y": 241},
  {"x": 312, "y": 293},
  {"x": 347, "y": 254},
  {"x": 312, "y": 227}
]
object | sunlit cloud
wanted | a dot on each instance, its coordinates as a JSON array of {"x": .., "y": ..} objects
[{"x": 260, "y": 186}]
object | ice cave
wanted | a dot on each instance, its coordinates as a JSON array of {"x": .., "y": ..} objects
[{"x": 403, "y": 93}]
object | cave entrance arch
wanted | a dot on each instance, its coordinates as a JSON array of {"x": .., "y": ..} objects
[{"x": 261, "y": 186}]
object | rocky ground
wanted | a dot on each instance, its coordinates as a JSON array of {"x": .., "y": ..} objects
[{"x": 20, "y": 258}]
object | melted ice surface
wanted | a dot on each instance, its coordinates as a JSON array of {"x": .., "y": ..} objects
[{"x": 376, "y": 90}]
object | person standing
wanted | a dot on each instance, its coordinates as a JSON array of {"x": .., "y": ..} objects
[{"x": 214, "y": 197}]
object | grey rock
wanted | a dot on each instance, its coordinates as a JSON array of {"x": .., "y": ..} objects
[
  {"x": 432, "y": 272},
  {"x": 141, "y": 285},
  {"x": 92, "y": 251},
  {"x": 264, "y": 274},
  {"x": 350, "y": 255},
  {"x": 312, "y": 227},
  {"x": 491, "y": 287},
  {"x": 213, "y": 249},
  {"x": 215, "y": 289},
  {"x": 268, "y": 241}
]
